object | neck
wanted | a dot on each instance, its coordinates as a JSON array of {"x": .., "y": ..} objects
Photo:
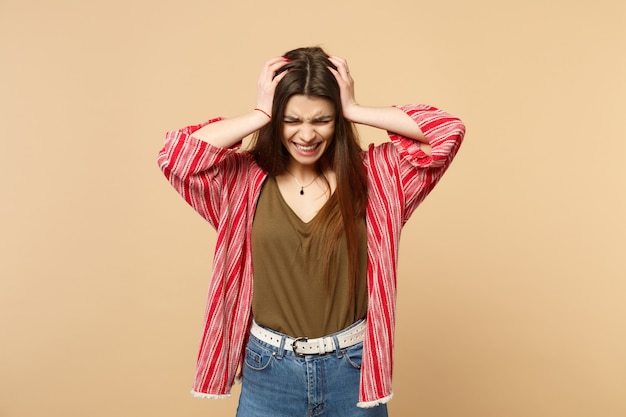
[{"x": 302, "y": 173}]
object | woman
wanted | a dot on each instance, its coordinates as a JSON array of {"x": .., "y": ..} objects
[{"x": 316, "y": 221}]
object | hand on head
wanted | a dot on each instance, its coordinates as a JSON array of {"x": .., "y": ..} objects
[
  {"x": 277, "y": 68},
  {"x": 268, "y": 80},
  {"x": 346, "y": 84}
]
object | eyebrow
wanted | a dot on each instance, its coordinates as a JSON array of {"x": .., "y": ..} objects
[{"x": 323, "y": 118}]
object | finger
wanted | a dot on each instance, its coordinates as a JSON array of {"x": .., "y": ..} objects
[
  {"x": 273, "y": 65},
  {"x": 279, "y": 77},
  {"x": 342, "y": 77},
  {"x": 337, "y": 59},
  {"x": 340, "y": 63},
  {"x": 337, "y": 75},
  {"x": 276, "y": 60}
]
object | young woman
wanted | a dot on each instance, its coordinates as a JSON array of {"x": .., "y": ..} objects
[{"x": 303, "y": 289}]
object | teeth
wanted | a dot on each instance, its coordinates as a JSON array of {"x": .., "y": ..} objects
[{"x": 306, "y": 148}]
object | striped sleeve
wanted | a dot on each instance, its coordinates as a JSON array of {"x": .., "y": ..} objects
[
  {"x": 220, "y": 184},
  {"x": 195, "y": 169},
  {"x": 420, "y": 172},
  {"x": 400, "y": 176}
]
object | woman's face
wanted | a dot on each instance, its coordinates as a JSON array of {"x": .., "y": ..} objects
[{"x": 308, "y": 128}]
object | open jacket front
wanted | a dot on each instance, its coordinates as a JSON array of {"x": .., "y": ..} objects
[{"x": 223, "y": 186}]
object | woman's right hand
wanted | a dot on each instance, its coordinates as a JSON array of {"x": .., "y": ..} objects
[
  {"x": 268, "y": 80},
  {"x": 226, "y": 133}
]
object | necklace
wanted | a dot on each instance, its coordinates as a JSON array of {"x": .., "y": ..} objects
[{"x": 302, "y": 187}]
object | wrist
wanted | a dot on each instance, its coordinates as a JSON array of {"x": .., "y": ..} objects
[
  {"x": 353, "y": 112},
  {"x": 263, "y": 112}
]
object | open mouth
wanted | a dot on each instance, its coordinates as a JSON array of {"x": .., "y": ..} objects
[{"x": 307, "y": 148}]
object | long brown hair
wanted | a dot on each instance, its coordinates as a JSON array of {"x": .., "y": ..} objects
[{"x": 309, "y": 75}]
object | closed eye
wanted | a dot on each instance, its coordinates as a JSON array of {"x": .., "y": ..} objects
[{"x": 319, "y": 121}]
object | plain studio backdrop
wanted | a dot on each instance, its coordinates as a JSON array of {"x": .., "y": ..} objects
[{"x": 512, "y": 273}]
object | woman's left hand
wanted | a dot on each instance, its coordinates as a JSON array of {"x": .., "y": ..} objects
[{"x": 346, "y": 85}]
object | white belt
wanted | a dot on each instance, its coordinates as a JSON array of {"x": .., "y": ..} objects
[{"x": 303, "y": 346}]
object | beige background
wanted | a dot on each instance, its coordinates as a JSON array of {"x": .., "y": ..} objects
[{"x": 511, "y": 273}]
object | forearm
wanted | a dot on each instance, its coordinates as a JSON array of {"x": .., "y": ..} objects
[
  {"x": 391, "y": 119},
  {"x": 228, "y": 132}
]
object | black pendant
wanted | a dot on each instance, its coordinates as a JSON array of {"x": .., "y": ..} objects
[{"x": 302, "y": 191}]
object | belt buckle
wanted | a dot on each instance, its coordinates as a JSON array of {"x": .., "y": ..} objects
[{"x": 294, "y": 346}]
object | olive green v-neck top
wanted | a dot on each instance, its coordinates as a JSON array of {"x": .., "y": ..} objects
[{"x": 290, "y": 294}]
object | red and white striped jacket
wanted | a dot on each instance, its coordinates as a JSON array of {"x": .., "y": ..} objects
[{"x": 223, "y": 186}]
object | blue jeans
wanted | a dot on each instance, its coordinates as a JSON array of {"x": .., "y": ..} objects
[{"x": 277, "y": 383}]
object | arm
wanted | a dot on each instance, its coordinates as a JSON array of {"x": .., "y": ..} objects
[
  {"x": 408, "y": 173},
  {"x": 199, "y": 159},
  {"x": 228, "y": 132},
  {"x": 424, "y": 141},
  {"x": 391, "y": 119}
]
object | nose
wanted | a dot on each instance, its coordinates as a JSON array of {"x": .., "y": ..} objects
[{"x": 307, "y": 132}]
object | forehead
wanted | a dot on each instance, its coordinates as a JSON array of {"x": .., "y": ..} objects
[{"x": 305, "y": 107}]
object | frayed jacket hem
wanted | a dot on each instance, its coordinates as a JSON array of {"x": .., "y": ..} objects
[
  {"x": 209, "y": 396},
  {"x": 371, "y": 404}
]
